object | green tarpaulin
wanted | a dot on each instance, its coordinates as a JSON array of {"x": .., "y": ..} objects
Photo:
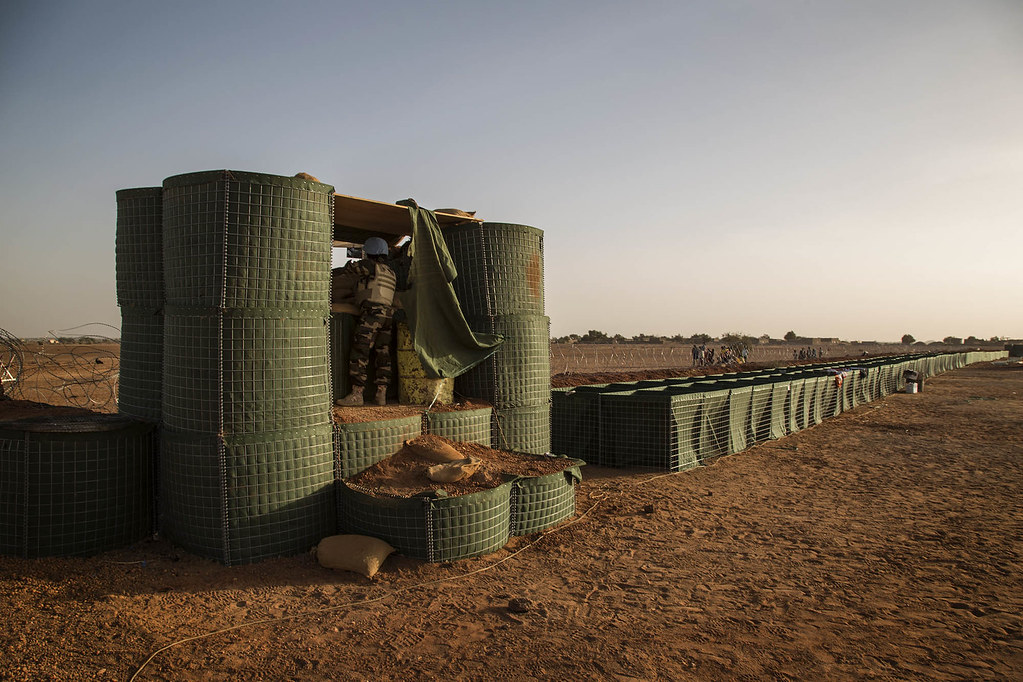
[{"x": 441, "y": 337}]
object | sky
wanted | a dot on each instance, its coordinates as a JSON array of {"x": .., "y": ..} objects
[{"x": 834, "y": 168}]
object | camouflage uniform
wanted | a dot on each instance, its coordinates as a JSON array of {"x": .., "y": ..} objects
[
  {"x": 374, "y": 294},
  {"x": 372, "y": 335}
]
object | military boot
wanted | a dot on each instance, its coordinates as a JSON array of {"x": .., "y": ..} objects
[
  {"x": 353, "y": 399},
  {"x": 381, "y": 397}
]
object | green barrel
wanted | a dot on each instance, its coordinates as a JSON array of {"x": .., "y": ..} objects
[
  {"x": 75, "y": 485},
  {"x": 140, "y": 293},
  {"x": 519, "y": 373},
  {"x": 500, "y": 268},
  {"x": 246, "y": 459}
]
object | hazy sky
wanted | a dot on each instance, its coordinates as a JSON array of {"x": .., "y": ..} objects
[{"x": 838, "y": 168}]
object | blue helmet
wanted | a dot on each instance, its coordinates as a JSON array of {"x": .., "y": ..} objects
[{"x": 375, "y": 246}]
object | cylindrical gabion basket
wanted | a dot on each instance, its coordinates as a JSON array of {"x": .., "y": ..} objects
[
  {"x": 500, "y": 268},
  {"x": 140, "y": 293},
  {"x": 500, "y": 288},
  {"x": 519, "y": 373},
  {"x": 75, "y": 485},
  {"x": 247, "y": 461},
  {"x": 139, "y": 247}
]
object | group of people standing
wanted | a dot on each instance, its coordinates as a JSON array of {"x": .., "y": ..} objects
[
  {"x": 704, "y": 356},
  {"x": 808, "y": 353}
]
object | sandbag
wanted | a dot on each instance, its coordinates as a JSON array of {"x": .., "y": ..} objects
[
  {"x": 449, "y": 472},
  {"x": 433, "y": 448},
  {"x": 356, "y": 553}
]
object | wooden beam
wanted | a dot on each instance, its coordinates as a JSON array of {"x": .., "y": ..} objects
[{"x": 357, "y": 219}]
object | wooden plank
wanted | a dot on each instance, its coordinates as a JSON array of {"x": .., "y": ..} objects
[{"x": 356, "y": 219}]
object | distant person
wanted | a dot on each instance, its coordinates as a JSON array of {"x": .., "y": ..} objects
[
  {"x": 696, "y": 355},
  {"x": 374, "y": 294},
  {"x": 745, "y": 354}
]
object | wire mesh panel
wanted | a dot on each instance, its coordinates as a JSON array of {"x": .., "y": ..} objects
[
  {"x": 540, "y": 502},
  {"x": 245, "y": 240},
  {"x": 739, "y": 406},
  {"x": 466, "y": 426},
  {"x": 575, "y": 424},
  {"x": 519, "y": 373},
  {"x": 779, "y": 410},
  {"x": 686, "y": 415},
  {"x": 500, "y": 268},
  {"x": 434, "y": 528},
  {"x": 140, "y": 377},
  {"x": 523, "y": 429},
  {"x": 760, "y": 413},
  {"x": 245, "y": 374},
  {"x": 247, "y": 460},
  {"x": 75, "y": 485},
  {"x": 244, "y": 499},
  {"x": 138, "y": 247},
  {"x": 714, "y": 425},
  {"x": 360, "y": 446}
]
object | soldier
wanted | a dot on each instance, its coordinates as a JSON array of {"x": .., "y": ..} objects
[{"x": 374, "y": 294}]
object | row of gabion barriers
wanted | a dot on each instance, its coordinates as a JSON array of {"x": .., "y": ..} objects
[{"x": 675, "y": 424}]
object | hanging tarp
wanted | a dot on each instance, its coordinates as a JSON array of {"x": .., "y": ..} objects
[{"x": 441, "y": 337}]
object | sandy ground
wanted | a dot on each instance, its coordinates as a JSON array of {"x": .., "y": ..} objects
[{"x": 883, "y": 544}]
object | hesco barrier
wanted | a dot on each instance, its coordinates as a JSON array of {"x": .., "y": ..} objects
[
  {"x": 519, "y": 373},
  {"x": 467, "y": 426},
  {"x": 500, "y": 268},
  {"x": 140, "y": 378},
  {"x": 75, "y": 485},
  {"x": 244, "y": 372},
  {"x": 500, "y": 288},
  {"x": 523, "y": 429},
  {"x": 437, "y": 527},
  {"x": 674, "y": 424},
  {"x": 360, "y": 446},
  {"x": 138, "y": 247},
  {"x": 255, "y": 497},
  {"x": 140, "y": 293},
  {"x": 234, "y": 239},
  {"x": 246, "y": 456},
  {"x": 540, "y": 502}
]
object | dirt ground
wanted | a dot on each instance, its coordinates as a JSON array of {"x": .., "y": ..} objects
[{"x": 882, "y": 544}]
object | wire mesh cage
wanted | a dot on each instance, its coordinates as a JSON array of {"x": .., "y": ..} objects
[
  {"x": 247, "y": 458},
  {"x": 75, "y": 485},
  {"x": 500, "y": 268},
  {"x": 674, "y": 424},
  {"x": 138, "y": 247}
]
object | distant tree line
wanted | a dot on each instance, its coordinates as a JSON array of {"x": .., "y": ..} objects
[{"x": 739, "y": 339}]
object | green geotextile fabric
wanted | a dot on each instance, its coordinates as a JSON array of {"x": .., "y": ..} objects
[
  {"x": 431, "y": 528},
  {"x": 539, "y": 502},
  {"x": 246, "y": 498},
  {"x": 441, "y": 337},
  {"x": 72, "y": 493},
  {"x": 466, "y": 426},
  {"x": 739, "y": 406}
]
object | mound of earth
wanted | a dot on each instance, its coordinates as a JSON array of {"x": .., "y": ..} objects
[{"x": 403, "y": 474}]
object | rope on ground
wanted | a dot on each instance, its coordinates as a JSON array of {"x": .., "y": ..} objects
[{"x": 598, "y": 496}]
